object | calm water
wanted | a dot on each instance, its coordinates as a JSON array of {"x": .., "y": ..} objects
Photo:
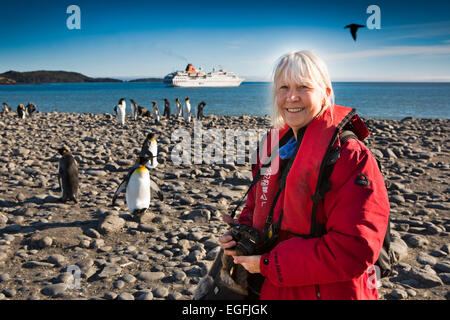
[{"x": 374, "y": 100}]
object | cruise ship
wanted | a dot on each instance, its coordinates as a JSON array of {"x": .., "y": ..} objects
[{"x": 197, "y": 78}]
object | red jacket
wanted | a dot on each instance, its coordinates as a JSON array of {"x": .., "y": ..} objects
[{"x": 334, "y": 266}]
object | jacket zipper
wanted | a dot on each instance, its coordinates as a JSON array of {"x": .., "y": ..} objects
[{"x": 318, "y": 292}]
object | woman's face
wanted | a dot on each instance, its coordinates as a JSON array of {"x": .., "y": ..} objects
[{"x": 298, "y": 103}]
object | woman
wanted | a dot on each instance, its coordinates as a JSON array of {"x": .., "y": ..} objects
[{"x": 305, "y": 264}]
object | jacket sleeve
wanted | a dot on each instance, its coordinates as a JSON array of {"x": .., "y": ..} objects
[{"x": 357, "y": 218}]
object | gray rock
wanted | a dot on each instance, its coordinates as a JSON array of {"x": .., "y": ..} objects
[
  {"x": 54, "y": 290},
  {"x": 160, "y": 292},
  {"x": 110, "y": 296},
  {"x": 125, "y": 296},
  {"x": 128, "y": 278},
  {"x": 4, "y": 277},
  {"x": 399, "y": 294},
  {"x": 425, "y": 259},
  {"x": 416, "y": 241},
  {"x": 110, "y": 270},
  {"x": 145, "y": 296},
  {"x": 426, "y": 276},
  {"x": 111, "y": 223},
  {"x": 446, "y": 248},
  {"x": 57, "y": 259},
  {"x": 445, "y": 277},
  {"x": 150, "y": 276},
  {"x": 399, "y": 249},
  {"x": 119, "y": 284},
  {"x": 45, "y": 242},
  {"x": 9, "y": 293},
  {"x": 179, "y": 275},
  {"x": 443, "y": 266},
  {"x": 36, "y": 264}
]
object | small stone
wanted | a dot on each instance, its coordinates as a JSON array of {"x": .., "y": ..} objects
[
  {"x": 445, "y": 277},
  {"x": 145, "y": 296},
  {"x": 9, "y": 293},
  {"x": 150, "y": 276},
  {"x": 54, "y": 290},
  {"x": 111, "y": 223},
  {"x": 161, "y": 292},
  {"x": 399, "y": 294},
  {"x": 427, "y": 276},
  {"x": 4, "y": 277},
  {"x": 110, "y": 296},
  {"x": 425, "y": 259},
  {"x": 128, "y": 278},
  {"x": 443, "y": 266},
  {"x": 110, "y": 270},
  {"x": 119, "y": 284},
  {"x": 125, "y": 296},
  {"x": 45, "y": 242},
  {"x": 57, "y": 259},
  {"x": 416, "y": 241}
]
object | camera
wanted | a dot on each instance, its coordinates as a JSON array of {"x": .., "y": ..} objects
[{"x": 248, "y": 240}]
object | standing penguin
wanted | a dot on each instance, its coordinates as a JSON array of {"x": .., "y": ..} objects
[
  {"x": 21, "y": 111},
  {"x": 166, "y": 108},
  {"x": 187, "y": 110},
  {"x": 120, "y": 111},
  {"x": 156, "y": 113},
  {"x": 5, "y": 108},
  {"x": 134, "y": 110},
  {"x": 200, "y": 107},
  {"x": 68, "y": 176},
  {"x": 179, "y": 108},
  {"x": 29, "y": 109},
  {"x": 138, "y": 185},
  {"x": 150, "y": 149}
]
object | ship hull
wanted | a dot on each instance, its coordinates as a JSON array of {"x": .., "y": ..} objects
[{"x": 199, "y": 83}]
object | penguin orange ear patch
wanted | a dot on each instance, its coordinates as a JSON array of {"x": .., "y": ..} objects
[{"x": 362, "y": 180}]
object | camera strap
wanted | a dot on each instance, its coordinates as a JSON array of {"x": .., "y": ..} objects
[
  {"x": 266, "y": 164},
  {"x": 281, "y": 186}
]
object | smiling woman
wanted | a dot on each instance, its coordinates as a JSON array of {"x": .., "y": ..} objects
[{"x": 319, "y": 238}]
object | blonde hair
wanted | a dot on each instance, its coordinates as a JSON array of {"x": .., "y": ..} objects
[{"x": 301, "y": 67}]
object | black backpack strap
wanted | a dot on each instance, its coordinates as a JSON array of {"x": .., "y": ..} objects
[{"x": 326, "y": 168}]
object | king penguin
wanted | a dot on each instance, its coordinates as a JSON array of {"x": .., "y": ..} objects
[
  {"x": 120, "y": 111},
  {"x": 68, "y": 176},
  {"x": 150, "y": 149},
  {"x": 21, "y": 111},
  {"x": 6, "y": 109},
  {"x": 156, "y": 114},
  {"x": 134, "y": 110},
  {"x": 138, "y": 185},
  {"x": 187, "y": 110}
]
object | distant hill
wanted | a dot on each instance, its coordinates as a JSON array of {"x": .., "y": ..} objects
[
  {"x": 38, "y": 77},
  {"x": 147, "y": 80}
]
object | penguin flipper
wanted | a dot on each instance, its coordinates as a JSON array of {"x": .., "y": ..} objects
[
  {"x": 123, "y": 185},
  {"x": 154, "y": 186},
  {"x": 121, "y": 188}
]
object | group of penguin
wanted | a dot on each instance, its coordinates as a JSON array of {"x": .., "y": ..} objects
[
  {"x": 22, "y": 112},
  {"x": 137, "y": 183},
  {"x": 136, "y": 110}
]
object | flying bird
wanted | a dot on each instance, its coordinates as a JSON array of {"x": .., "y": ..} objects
[{"x": 353, "y": 28}]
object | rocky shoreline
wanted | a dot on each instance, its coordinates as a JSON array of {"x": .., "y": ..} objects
[{"x": 163, "y": 257}]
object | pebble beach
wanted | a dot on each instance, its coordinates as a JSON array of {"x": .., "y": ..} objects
[{"x": 164, "y": 256}]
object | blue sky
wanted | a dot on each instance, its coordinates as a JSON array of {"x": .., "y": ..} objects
[{"x": 146, "y": 38}]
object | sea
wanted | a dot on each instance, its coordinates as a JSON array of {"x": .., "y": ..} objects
[{"x": 378, "y": 100}]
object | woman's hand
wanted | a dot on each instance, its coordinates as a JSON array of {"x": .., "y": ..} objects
[
  {"x": 226, "y": 242},
  {"x": 250, "y": 263}
]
